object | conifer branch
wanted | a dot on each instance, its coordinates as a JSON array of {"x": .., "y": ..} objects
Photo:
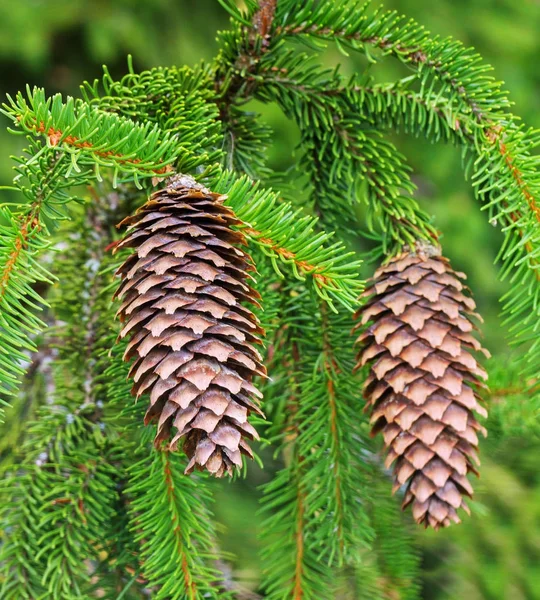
[
  {"x": 169, "y": 518},
  {"x": 20, "y": 244},
  {"x": 72, "y": 518},
  {"x": 92, "y": 509},
  {"x": 118, "y": 572},
  {"x": 296, "y": 464},
  {"x": 394, "y": 549},
  {"x": 495, "y": 145},
  {"x": 92, "y": 137},
  {"x": 63, "y": 490},
  {"x": 327, "y": 411},
  {"x": 291, "y": 566},
  {"x": 298, "y": 592},
  {"x": 20, "y": 577},
  {"x": 478, "y": 92},
  {"x": 397, "y": 105},
  {"x": 66, "y": 485},
  {"x": 314, "y": 425},
  {"x": 244, "y": 137},
  {"x": 79, "y": 139},
  {"x": 343, "y": 147},
  {"x": 22, "y": 237},
  {"x": 286, "y": 235},
  {"x": 190, "y": 585},
  {"x": 504, "y": 179},
  {"x": 462, "y": 77},
  {"x": 331, "y": 366},
  {"x": 329, "y": 284},
  {"x": 180, "y": 101}
]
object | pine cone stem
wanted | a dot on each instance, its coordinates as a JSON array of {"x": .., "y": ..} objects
[
  {"x": 421, "y": 389},
  {"x": 190, "y": 334}
]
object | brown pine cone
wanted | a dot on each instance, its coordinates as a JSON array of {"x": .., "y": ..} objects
[
  {"x": 191, "y": 336},
  {"x": 421, "y": 386}
]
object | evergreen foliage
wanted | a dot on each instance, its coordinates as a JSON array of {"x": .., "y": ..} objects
[{"x": 89, "y": 507}]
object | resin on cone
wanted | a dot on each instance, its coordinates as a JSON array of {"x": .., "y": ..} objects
[
  {"x": 421, "y": 389},
  {"x": 185, "y": 292}
]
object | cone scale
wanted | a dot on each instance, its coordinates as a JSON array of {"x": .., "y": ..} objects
[
  {"x": 185, "y": 294},
  {"x": 421, "y": 391}
]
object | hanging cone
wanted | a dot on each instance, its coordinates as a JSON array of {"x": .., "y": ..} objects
[
  {"x": 416, "y": 337},
  {"x": 191, "y": 336}
]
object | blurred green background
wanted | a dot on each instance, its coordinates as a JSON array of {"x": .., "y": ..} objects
[{"x": 59, "y": 43}]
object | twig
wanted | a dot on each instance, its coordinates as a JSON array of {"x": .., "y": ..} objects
[{"x": 263, "y": 19}]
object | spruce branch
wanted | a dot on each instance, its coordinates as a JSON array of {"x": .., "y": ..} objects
[
  {"x": 78, "y": 140},
  {"x": 394, "y": 548},
  {"x": 72, "y": 517},
  {"x": 329, "y": 415},
  {"x": 241, "y": 55},
  {"x": 463, "y": 79},
  {"x": 139, "y": 86},
  {"x": 288, "y": 237},
  {"x": 315, "y": 518},
  {"x": 504, "y": 178},
  {"x": 65, "y": 480},
  {"x": 397, "y": 105},
  {"x": 179, "y": 100},
  {"x": 171, "y": 522},
  {"x": 23, "y": 237},
  {"x": 503, "y": 167},
  {"x": 341, "y": 148},
  {"x": 95, "y": 138},
  {"x": 459, "y": 70},
  {"x": 87, "y": 470},
  {"x": 246, "y": 140},
  {"x": 190, "y": 585},
  {"x": 20, "y": 574},
  {"x": 117, "y": 574},
  {"x": 331, "y": 365},
  {"x": 290, "y": 565}
]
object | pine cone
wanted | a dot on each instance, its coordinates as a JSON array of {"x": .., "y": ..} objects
[
  {"x": 192, "y": 338},
  {"x": 421, "y": 386}
]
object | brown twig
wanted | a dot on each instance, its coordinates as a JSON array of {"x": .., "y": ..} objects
[
  {"x": 516, "y": 390},
  {"x": 263, "y": 19},
  {"x": 55, "y": 137},
  {"x": 29, "y": 224},
  {"x": 247, "y": 61},
  {"x": 288, "y": 255}
]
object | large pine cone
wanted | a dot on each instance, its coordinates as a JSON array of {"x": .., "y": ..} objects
[
  {"x": 421, "y": 386},
  {"x": 192, "y": 337}
]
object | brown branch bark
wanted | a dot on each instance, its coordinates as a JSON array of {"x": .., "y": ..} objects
[
  {"x": 263, "y": 19},
  {"x": 55, "y": 137},
  {"x": 28, "y": 224},
  {"x": 288, "y": 255}
]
